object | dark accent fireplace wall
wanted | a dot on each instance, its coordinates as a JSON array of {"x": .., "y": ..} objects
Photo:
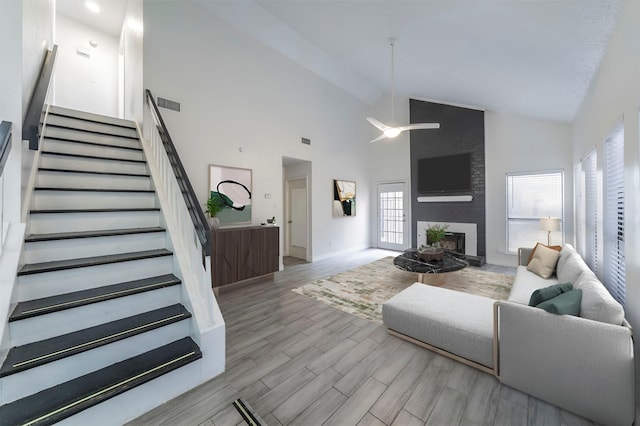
[{"x": 461, "y": 130}]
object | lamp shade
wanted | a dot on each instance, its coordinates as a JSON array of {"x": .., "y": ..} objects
[{"x": 550, "y": 224}]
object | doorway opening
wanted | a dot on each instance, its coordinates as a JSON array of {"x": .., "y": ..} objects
[{"x": 297, "y": 211}]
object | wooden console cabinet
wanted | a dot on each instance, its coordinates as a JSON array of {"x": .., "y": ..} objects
[{"x": 243, "y": 253}]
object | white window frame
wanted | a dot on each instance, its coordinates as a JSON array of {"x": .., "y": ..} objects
[
  {"x": 613, "y": 256},
  {"x": 591, "y": 214},
  {"x": 534, "y": 234}
]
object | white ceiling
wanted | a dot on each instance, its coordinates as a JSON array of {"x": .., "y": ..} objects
[
  {"x": 534, "y": 58},
  {"x": 108, "y": 20}
]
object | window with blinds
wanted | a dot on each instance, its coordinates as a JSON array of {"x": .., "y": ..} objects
[
  {"x": 613, "y": 261},
  {"x": 530, "y": 197},
  {"x": 589, "y": 164}
]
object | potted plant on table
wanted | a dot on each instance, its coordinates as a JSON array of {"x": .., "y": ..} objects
[
  {"x": 435, "y": 234},
  {"x": 213, "y": 207}
]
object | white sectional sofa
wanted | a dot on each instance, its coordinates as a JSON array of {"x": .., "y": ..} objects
[{"x": 584, "y": 364}]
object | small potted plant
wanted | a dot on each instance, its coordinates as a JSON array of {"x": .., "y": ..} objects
[
  {"x": 435, "y": 233},
  {"x": 213, "y": 207}
]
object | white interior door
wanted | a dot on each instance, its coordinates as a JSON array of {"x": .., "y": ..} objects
[
  {"x": 298, "y": 218},
  {"x": 393, "y": 232}
]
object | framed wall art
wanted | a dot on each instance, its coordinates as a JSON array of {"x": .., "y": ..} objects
[
  {"x": 344, "y": 198},
  {"x": 232, "y": 187}
]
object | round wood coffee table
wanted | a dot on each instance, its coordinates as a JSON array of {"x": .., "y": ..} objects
[{"x": 434, "y": 272}]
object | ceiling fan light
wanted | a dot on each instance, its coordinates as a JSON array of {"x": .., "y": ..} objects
[{"x": 392, "y": 132}]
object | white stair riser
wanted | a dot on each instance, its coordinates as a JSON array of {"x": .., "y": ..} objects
[
  {"x": 87, "y": 180},
  {"x": 54, "y": 324},
  {"x": 45, "y": 376},
  {"x": 46, "y": 284},
  {"x": 47, "y": 251},
  {"x": 47, "y": 223},
  {"x": 52, "y": 145},
  {"x": 90, "y": 116},
  {"x": 91, "y": 200},
  {"x": 90, "y": 126},
  {"x": 137, "y": 401},
  {"x": 78, "y": 135},
  {"x": 98, "y": 165}
]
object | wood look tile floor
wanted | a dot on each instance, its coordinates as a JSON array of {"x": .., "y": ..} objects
[{"x": 297, "y": 361}]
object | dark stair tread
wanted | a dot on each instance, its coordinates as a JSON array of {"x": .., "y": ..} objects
[
  {"x": 59, "y": 402},
  {"x": 95, "y": 132},
  {"x": 92, "y": 157},
  {"x": 34, "y": 354},
  {"x": 123, "y": 125},
  {"x": 105, "y": 210},
  {"x": 58, "y": 265},
  {"x": 91, "y": 234},
  {"x": 68, "y": 189},
  {"x": 93, "y": 172},
  {"x": 46, "y": 305},
  {"x": 96, "y": 144}
]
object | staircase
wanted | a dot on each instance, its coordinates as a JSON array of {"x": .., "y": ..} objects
[{"x": 98, "y": 305}]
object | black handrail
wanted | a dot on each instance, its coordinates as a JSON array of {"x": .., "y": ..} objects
[
  {"x": 31, "y": 123},
  {"x": 5, "y": 143},
  {"x": 195, "y": 210}
]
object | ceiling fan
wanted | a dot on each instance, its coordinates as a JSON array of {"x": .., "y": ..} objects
[{"x": 392, "y": 131}]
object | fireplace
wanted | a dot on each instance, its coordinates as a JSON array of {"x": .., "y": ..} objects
[
  {"x": 467, "y": 230},
  {"x": 453, "y": 241}
]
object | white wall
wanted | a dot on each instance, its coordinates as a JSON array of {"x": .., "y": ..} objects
[
  {"x": 518, "y": 144},
  {"x": 86, "y": 83},
  {"x": 235, "y": 92},
  {"x": 37, "y": 37},
  {"x": 131, "y": 42},
  {"x": 614, "y": 95}
]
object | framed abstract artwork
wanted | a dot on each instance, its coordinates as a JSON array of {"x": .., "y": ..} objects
[
  {"x": 232, "y": 187},
  {"x": 344, "y": 198}
]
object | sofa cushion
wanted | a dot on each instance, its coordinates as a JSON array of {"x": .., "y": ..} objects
[
  {"x": 459, "y": 323},
  {"x": 570, "y": 268},
  {"x": 525, "y": 283},
  {"x": 565, "y": 252},
  {"x": 544, "y": 261},
  {"x": 597, "y": 303},
  {"x": 533, "y": 252},
  {"x": 550, "y": 292},
  {"x": 567, "y": 303}
]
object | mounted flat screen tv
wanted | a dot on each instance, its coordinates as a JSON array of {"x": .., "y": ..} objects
[{"x": 444, "y": 174}]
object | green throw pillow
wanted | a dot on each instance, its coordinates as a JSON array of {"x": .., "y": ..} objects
[
  {"x": 540, "y": 295},
  {"x": 565, "y": 304}
]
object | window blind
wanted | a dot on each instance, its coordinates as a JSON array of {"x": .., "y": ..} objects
[
  {"x": 591, "y": 210},
  {"x": 531, "y": 196},
  {"x": 613, "y": 232}
]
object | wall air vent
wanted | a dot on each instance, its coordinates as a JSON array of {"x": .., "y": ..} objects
[
  {"x": 166, "y": 103},
  {"x": 306, "y": 141}
]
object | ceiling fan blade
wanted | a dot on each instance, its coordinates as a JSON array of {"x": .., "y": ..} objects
[
  {"x": 380, "y": 125},
  {"x": 417, "y": 126},
  {"x": 379, "y": 138}
]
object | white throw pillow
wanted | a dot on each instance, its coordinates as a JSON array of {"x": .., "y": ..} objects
[
  {"x": 544, "y": 261},
  {"x": 597, "y": 303},
  {"x": 570, "y": 268}
]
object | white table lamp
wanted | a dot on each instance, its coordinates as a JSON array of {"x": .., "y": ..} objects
[{"x": 549, "y": 224}]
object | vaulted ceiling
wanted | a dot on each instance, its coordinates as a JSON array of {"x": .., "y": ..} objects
[{"x": 534, "y": 58}]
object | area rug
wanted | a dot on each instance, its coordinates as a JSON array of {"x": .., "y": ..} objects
[{"x": 362, "y": 291}]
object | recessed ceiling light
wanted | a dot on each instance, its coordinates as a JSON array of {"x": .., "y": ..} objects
[{"x": 92, "y": 6}]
